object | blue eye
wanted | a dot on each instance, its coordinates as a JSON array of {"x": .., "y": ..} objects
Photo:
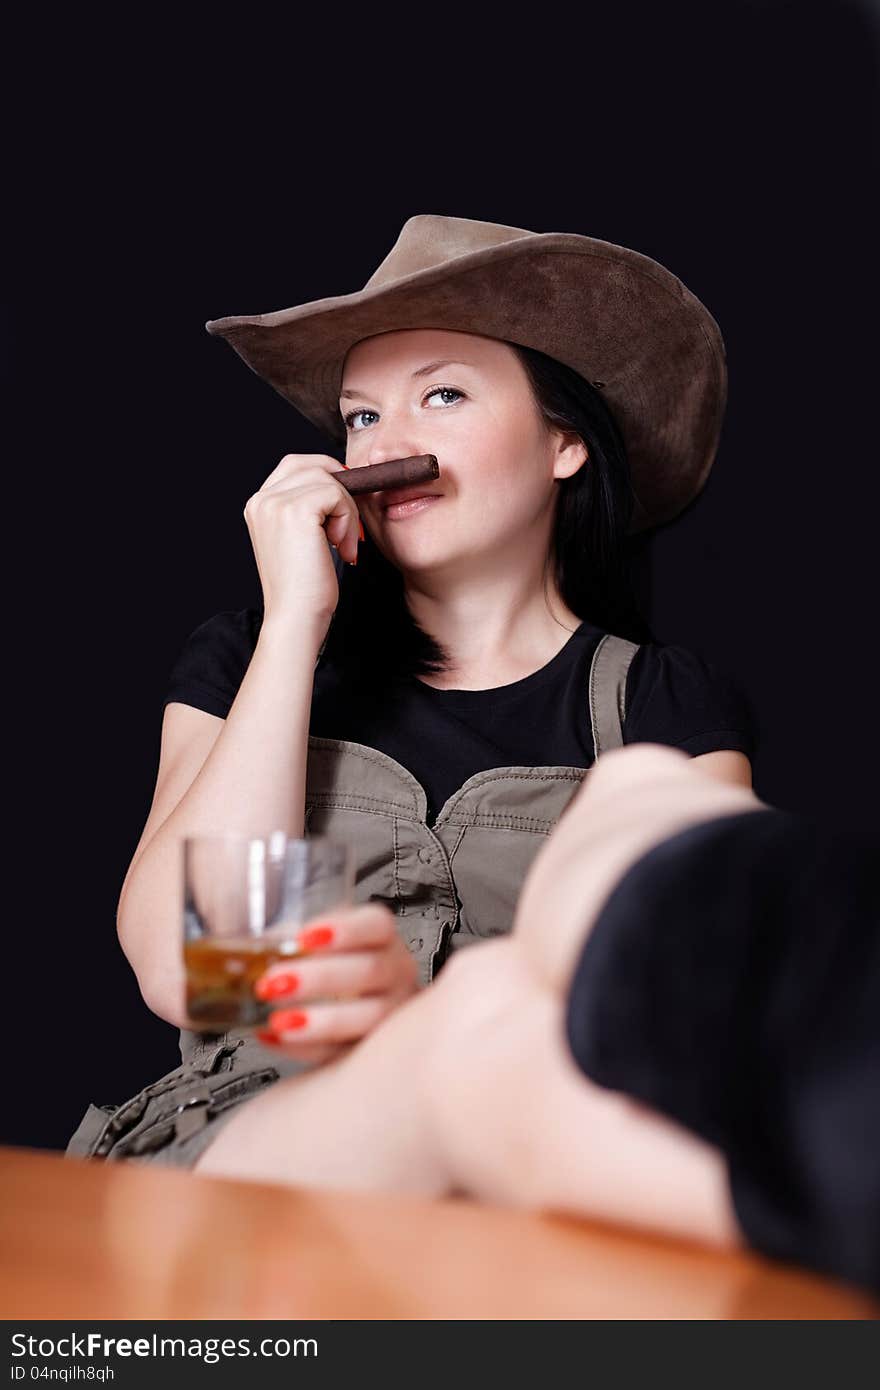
[
  {"x": 436, "y": 390},
  {"x": 353, "y": 414},
  {"x": 444, "y": 391}
]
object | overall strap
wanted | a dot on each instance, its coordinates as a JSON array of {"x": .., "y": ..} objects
[{"x": 611, "y": 662}]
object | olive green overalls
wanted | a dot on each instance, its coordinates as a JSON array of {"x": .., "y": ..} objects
[{"x": 449, "y": 885}]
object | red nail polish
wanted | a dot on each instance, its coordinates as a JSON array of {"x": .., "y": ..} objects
[
  {"x": 360, "y": 530},
  {"x": 265, "y": 1036},
  {"x": 287, "y": 1020},
  {"x": 274, "y": 986},
  {"x": 313, "y": 938}
]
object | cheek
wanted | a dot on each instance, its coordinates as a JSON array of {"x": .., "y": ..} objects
[
  {"x": 504, "y": 466},
  {"x": 501, "y": 436}
]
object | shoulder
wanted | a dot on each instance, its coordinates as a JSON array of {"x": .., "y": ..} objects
[
  {"x": 678, "y": 697},
  {"x": 229, "y": 636},
  {"x": 213, "y": 659},
  {"x": 238, "y": 627}
]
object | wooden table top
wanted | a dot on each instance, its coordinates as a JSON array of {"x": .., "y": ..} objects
[{"x": 84, "y": 1239}]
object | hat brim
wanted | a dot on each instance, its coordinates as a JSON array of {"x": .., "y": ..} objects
[{"x": 612, "y": 314}]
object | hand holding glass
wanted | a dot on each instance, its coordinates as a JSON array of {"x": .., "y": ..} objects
[{"x": 246, "y": 899}]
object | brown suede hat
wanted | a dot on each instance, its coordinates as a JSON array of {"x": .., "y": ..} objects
[{"x": 620, "y": 319}]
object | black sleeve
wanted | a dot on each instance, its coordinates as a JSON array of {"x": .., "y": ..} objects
[
  {"x": 212, "y": 663},
  {"x": 676, "y": 697},
  {"x": 732, "y": 982}
]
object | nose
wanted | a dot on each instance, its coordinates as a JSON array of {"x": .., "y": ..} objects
[{"x": 397, "y": 449}]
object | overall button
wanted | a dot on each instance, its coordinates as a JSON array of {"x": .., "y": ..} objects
[{"x": 426, "y": 856}]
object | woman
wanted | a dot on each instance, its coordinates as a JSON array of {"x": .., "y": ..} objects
[{"x": 438, "y": 705}]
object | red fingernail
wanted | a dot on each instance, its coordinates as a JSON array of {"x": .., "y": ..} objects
[
  {"x": 266, "y": 1037},
  {"x": 274, "y": 986},
  {"x": 287, "y": 1020},
  {"x": 360, "y": 530},
  {"x": 314, "y": 937}
]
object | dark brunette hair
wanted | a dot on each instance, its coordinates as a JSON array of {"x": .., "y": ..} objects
[{"x": 590, "y": 554}]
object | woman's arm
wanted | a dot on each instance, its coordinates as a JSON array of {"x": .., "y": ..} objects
[{"x": 245, "y": 773}]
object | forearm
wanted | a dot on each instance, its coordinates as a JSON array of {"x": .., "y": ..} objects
[{"x": 253, "y": 781}]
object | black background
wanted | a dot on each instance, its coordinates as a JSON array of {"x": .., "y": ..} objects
[{"x": 736, "y": 143}]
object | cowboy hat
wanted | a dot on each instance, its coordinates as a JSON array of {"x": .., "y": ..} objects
[{"x": 621, "y": 320}]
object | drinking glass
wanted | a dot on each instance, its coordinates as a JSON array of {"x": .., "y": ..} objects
[{"x": 245, "y": 900}]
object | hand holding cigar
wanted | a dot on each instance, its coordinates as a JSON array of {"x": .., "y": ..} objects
[{"x": 380, "y": 477}]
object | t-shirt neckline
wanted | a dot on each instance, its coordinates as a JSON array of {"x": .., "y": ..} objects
[{"x": 461, "y": 698}]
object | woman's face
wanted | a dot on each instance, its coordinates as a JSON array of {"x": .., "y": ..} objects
[{"x": 466, "y": 399}]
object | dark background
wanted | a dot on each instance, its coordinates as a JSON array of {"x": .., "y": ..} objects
[{"x": 737, "y": 143}]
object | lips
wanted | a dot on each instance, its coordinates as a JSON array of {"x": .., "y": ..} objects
[{"x": 405, "y": 494}]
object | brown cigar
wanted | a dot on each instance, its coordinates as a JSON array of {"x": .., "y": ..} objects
[{"x": 377, "y": 477}]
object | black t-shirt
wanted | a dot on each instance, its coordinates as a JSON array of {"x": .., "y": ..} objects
[{"x": 443, "y": 737}]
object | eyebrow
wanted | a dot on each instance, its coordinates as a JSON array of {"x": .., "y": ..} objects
[{"x": 420, "y": 371}]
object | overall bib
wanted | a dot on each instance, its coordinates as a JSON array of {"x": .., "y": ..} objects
[{"x": 449, "y": 885}]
